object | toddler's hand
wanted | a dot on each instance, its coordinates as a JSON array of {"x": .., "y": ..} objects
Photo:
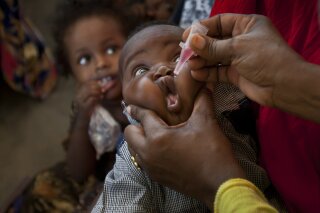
[{"x": 87, "y": 96}]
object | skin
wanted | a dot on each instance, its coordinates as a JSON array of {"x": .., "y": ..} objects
[
  {"x": 93, "y": 46},
  {"x": 148, "y": 62}
]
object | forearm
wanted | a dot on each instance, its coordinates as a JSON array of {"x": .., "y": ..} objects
[
  {"x": 239, "y": 195},
  {"x": 81, "y": 156},
  {"x": 298, "y": 91},
  {"x": 209, "y": 193}
]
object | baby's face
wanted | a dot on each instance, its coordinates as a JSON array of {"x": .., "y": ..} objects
[
  {"x": 93, "y": 46},
  {"x": 147, "y": 64}
]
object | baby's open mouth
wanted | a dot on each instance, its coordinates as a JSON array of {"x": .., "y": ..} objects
[{"x": 168, "y": 87}]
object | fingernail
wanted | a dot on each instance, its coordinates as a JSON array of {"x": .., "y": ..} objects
[
  {"x": 198, "y": 41},
  {"x": 129, "y": 110}
]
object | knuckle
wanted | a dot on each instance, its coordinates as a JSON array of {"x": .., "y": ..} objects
[{"x": 212, "y": 48}]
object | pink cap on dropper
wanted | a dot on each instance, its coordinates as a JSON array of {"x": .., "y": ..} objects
[{"x": 186, "y": 51}]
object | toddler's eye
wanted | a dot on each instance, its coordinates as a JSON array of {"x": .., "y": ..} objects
[
  {"x": 140, "y": 71},
  {"x": 83, "y": 60},
  {"x": 111, "y": 50}
]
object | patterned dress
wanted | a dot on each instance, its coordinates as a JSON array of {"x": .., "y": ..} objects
[
  {"x": 25, "y": 62},
  {"x": 194, "y": 10}
]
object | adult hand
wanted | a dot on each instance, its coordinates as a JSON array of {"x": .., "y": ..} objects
[
  {"x": 252, "y": 53},
  {"x": 194, "y": 157}
]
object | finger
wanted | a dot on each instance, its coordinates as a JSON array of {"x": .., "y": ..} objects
[
  {"x": 219, "y": 26},
  {"x": 213, "y": 50},
  {"x": 89, "y": 86},
  {"x": 90, "y": 89},
  {"x": 136, "y": 140},
  {"x": 203, "y": 107},
  {"x": 201, "y": 71},
  {"x": 135, "y": 159},
  {"x": 206, "y": 74},
  {"x": 148, "y": 119},
  {"x": 228, "y": 25},
  {"x": 186, "y": 34},
  {"x": 90, "y": 101},
  {"x": 86, "y": 94},
  {"x": 215, "y": 74}
]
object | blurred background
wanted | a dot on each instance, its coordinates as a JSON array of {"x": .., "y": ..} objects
[{"x": 31, "y": 130}]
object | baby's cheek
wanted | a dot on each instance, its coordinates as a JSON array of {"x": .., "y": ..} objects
[
  {"x": 143, "y": 93},
  {"x": 187, "y": 86}
]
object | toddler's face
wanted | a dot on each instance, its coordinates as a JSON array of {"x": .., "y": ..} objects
[
  {"x": 147, "y": 64},
  {"x": 160, "y": 9},
  {"x": 93, "y": 46}
]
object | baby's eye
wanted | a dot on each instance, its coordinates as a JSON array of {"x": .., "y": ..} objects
[
  {"x": 176, "y": 59},
  {"x": 140, "y": 71},
  {"x": 111, "y": 50},
  {"x": 84, "y": 59}
]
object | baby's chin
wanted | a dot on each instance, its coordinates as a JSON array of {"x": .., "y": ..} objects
[
  {"x": 180, "y": 117},
  {"x": 185, "y": 107}
]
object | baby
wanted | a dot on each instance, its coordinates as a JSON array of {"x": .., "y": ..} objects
[{"x": 146, "y": 65}]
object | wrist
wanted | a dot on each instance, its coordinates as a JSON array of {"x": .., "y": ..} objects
[
  {"x": 235, "y": 171},
  {"x": 79, "y": 119},
  {"x": 296, "y": 91}
]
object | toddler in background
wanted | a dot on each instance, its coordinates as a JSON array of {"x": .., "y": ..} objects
[
  {"x": 147, "y": 63},
  {"x": 89, "y": 37}
]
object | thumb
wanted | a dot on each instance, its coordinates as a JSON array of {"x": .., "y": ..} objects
[
  {"x": 214, "y": 51},
  {"x": 149, "y": 120}
]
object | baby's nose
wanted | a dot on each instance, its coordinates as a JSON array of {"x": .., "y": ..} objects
[{"x": 162, "y": 71}]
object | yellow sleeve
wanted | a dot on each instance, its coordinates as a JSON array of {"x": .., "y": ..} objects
[{"x": 240, "y": 195}]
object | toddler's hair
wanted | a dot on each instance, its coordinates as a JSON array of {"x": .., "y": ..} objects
[{"x": 71, "y": 11}]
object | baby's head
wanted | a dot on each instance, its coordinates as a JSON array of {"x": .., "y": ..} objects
[
  {"x": 146, "y": 65},
  {"x": 89, "y": 37}
]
